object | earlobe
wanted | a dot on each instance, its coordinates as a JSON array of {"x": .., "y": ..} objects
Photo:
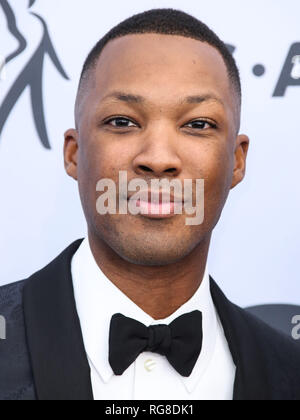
[
  {"x": 71, "y": 152},
  {"x": 241, "y": 151}
]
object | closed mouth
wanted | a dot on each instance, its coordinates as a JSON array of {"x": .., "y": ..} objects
[{"x": 157, "y": 204}]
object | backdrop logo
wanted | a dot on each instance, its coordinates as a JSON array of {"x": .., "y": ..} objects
[
  {"x": 32, "y": 74},
  {"x": 290, "y": 75},
  {"x": 296, "y": 67},
  {"x": 2, "y": 68}
]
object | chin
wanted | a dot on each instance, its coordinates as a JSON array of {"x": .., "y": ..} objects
[
  {"x": 155, "y": 247},
  {"x": 151, "y": 260},
  {"x": 155, "y": 254}
]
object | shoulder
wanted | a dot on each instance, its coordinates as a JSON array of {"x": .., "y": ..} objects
[
  {"x": 278, "y": 352},
  {"x": 267, "y": 334},
  {"x": 16, "y": 378},
  {"x": 11, "y": 301},
  {"x": 269, "y": 360},
  {"x": 273, "y": 341}
]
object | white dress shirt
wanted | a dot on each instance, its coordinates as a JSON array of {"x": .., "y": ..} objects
[{"x": 150, "y": 377}]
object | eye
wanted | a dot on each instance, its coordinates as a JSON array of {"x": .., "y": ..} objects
[
  {"x": 201, "y": 124},
  {"x": 119, "y": 122}
]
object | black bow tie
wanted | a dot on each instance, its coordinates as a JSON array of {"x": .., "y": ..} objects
[{"x": 180, "y": 342}]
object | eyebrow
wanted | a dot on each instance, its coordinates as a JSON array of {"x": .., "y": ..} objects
[{"x": 138, "y": 99}]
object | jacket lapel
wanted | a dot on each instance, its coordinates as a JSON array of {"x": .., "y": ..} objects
[
  {"x": 59, "y": 363},
  {"x": 255, "y": 377}
]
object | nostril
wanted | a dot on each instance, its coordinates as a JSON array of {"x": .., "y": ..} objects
[
  {"x": 145, "y": 168},
  {"x": 171, "y": 170}
]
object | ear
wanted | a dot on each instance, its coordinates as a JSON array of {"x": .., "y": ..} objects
[
  {"x": 71, "y": 152},
  {"x": 241, "y": 150}
]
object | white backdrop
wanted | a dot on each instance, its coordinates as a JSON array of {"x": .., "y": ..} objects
[{"x": 254, "y": 254}]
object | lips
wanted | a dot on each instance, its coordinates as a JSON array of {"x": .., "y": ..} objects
[
  {"x": 157, "y": 204},
  {"x": 156, "y": 209}
]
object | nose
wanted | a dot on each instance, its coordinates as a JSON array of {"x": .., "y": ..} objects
[{"x": 158, "y": 156}]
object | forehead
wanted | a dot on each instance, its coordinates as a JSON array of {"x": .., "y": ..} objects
[{"x": 162, "y": 69}]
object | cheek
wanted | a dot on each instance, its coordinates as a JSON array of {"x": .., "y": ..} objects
[
  {"x": 212, "y": 162},
  {"x": 91, "y": 168},
  {"x": 98, "y": 159},
  {"x": 215, "y": 166},
  {"x": 218, "y": 183}
]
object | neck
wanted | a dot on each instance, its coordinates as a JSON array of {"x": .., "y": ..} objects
[{"x": 157, "y": 290}]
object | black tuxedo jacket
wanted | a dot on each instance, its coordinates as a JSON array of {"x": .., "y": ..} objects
[{"x": 43, "y": 356}]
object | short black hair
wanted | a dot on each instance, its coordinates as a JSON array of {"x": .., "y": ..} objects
[{"x": 168, "y": 22}]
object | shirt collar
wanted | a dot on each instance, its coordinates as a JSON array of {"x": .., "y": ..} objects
[{"x": 97, "y": 299}]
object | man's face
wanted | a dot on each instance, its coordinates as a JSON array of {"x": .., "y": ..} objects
[{"x": 159, "y": 136}]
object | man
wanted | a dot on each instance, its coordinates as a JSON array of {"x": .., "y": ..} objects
[{"x": 131, "y": 312}]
